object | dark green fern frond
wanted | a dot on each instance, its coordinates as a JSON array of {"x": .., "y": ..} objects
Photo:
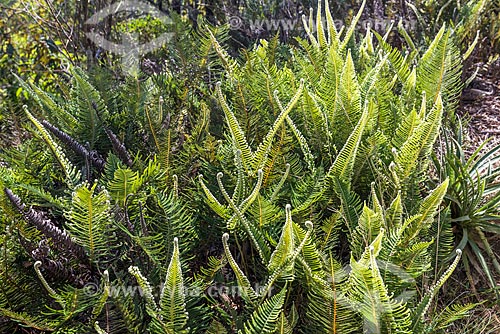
[
  {"x": 422, "y": 308},
  {"x": 88, "y": 107}
]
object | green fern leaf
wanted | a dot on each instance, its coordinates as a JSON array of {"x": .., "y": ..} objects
[
  {"x": 343, "y": 166},
  {"x": 124, "y": 183},
  {"x": 72, "y": 175},
  {"x": 265, "y": 318},
  {"x": 285, "y": 246},
  {"x": 368, "y": 228},
  {"x": 427, "y": 210},
  {"x": 172, "y": 299},
  {"x": 247, "y": 291},
  {"x": 89, "y": 221}
]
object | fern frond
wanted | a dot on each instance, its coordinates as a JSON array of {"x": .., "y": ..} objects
[
  {"x": 406, "y": 129},
  {"x": 265, "y": 318},
  {"x": 400, "y": 64},
  {"x": 320, "y": 31},
  {"x": 248, "y": 293},
  {"x": 72, "y": 175},
  {"x": 343, "y": 166},
  {"x": 368, "y": 228},
  {"x": 427, "y": 210},
  {"x": 333, "y": 39},
  {"x": 368, "y": 294},
  {"x": 303, "y": 144},
  {"x": 351, "y": 204},
  {"x": 348, "y": 104},
  {"x": 286, "y": 244},
  {"x": 124, "y": 183},
  {"x": 439, "y": 70},
  {"x": 423, "y": 306},
  {"x": 216, "y": 328},
  {"x": 98, "y": 307},
  {"x": 89, "y": 221},
  {"x": 172, "y": 299},
  {"x": 254, "y": 232},
  {"x": 449, "y": 315},
  {"x": 228, "y": 63},
  {"x": 237, "y": 133},
  {"x": 49, "y": 104},
  {"x": 352, "y": 27},
  {"x": 264, "y": 147},
  {"x": 282, "y": 270},
  {"x": 310, "y": 258},
  {"x": 147, "y": 290},
  {"x": 211, "y": 200},
  {"x": 328, "y": 308},
  {"x": 28, "y": 320},
  {"x": 88, "y": 106}
]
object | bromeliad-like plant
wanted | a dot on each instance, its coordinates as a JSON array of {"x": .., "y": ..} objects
[{"x": 473, "y": 198}]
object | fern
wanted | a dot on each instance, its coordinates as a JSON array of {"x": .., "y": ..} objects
[
  {"x": 286, "y": 245},
  {"x": 70, "y": 172},
  {"x": 172, "y": 300},
  {"x": 265, "y": 318},
  {"x": 124, "y": 183},
  {"x": 424, "y": 304},
  {"x": 248, "y": 292},
  {"x": 89, "y": 221},
  {"x": 343, "y": 166}
]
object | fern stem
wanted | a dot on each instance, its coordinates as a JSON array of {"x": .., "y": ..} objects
[
  {"x": 263, "y": 253},
  {"x": 280, "y": 183}
]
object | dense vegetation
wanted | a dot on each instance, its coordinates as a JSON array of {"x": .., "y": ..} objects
[{"x": 314, "y": 184}]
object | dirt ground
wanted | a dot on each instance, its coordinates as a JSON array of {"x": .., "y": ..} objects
[
  {"x": 480, "y": 109},
  {"x": 480, "y": 105}
]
